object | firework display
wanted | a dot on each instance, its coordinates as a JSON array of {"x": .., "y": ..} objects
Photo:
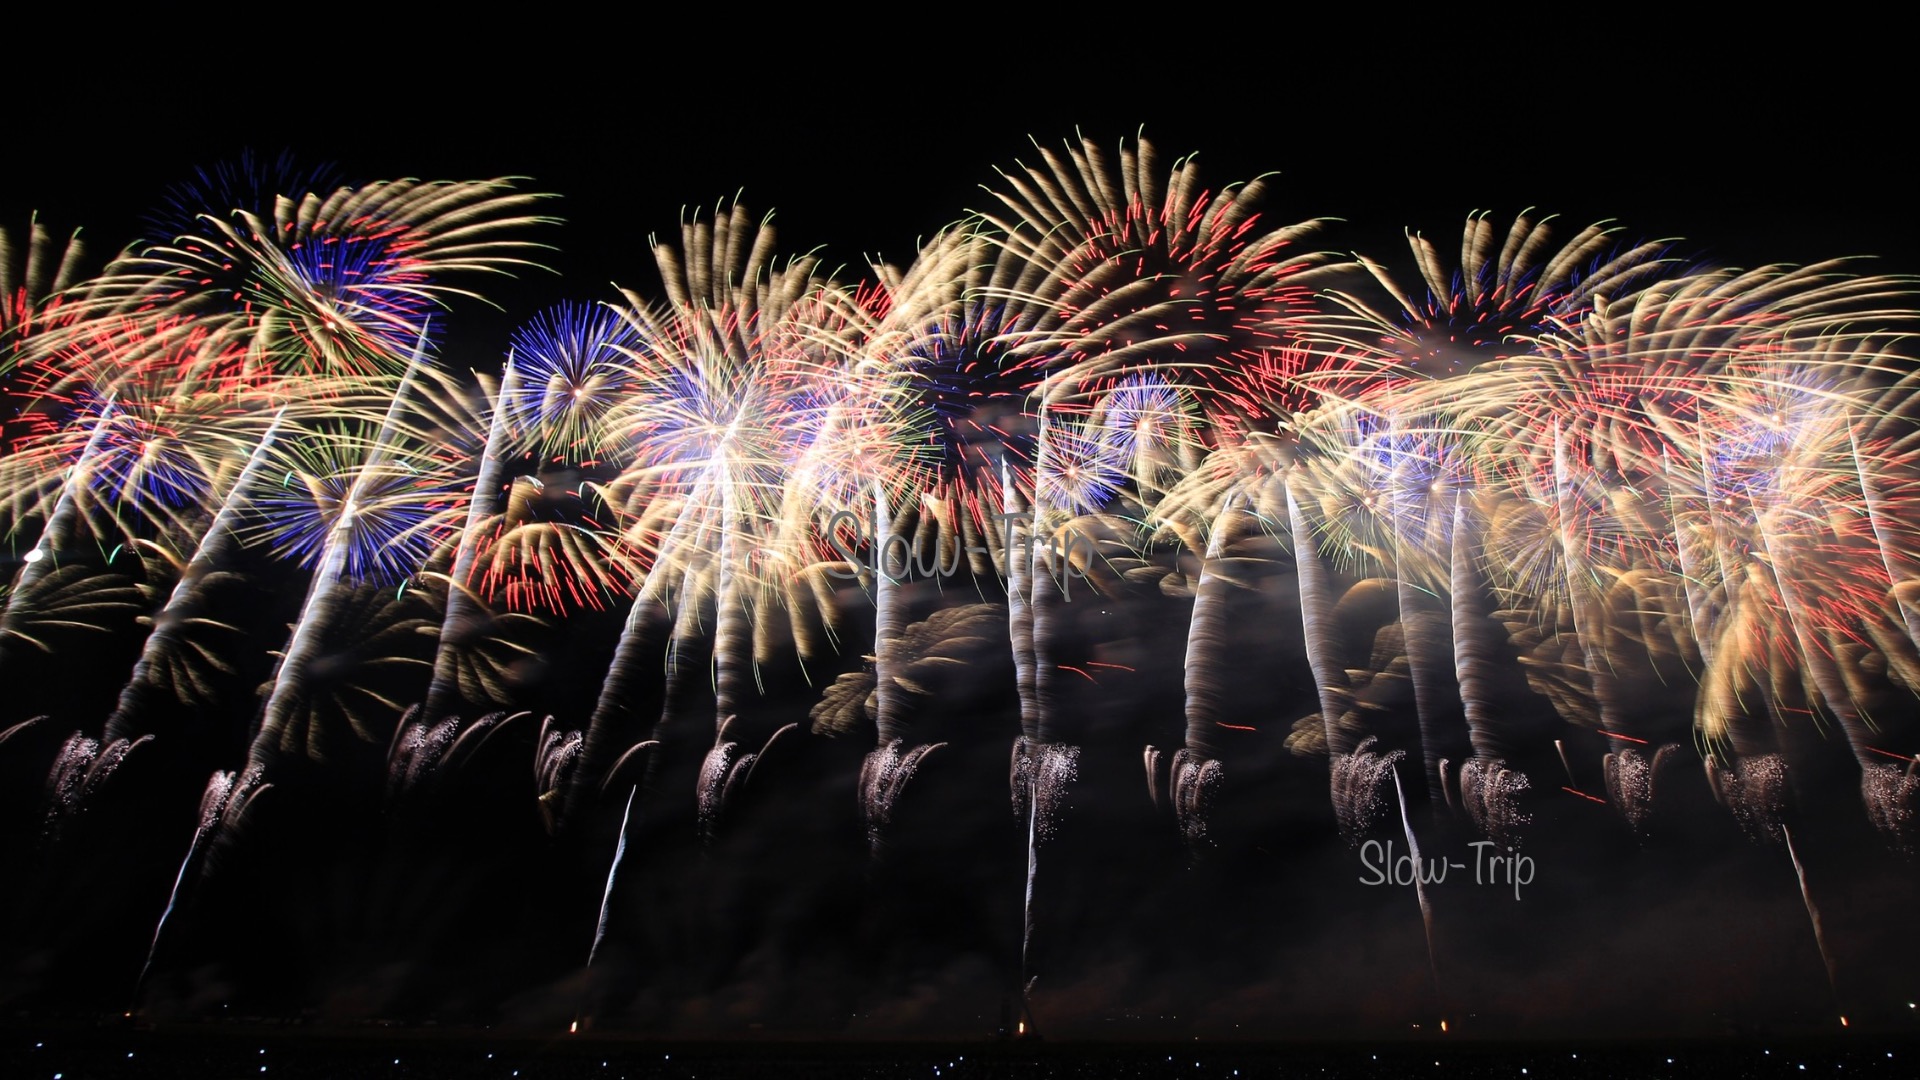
[{"x": 1120, "y": 486}]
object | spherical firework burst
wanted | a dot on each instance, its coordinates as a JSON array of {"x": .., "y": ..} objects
[
  {"x": 329, "y": 284},
  {"x": 1462, "y": 316},
  {"x": 944, "y": 340},
  {"x": 390, "y": 509},
  {"x": 752, "y": 399},
  {"x": 247, "y": 181},
  {"x": 556, "y": 546},
  {"x": 1151, "y": 428},
  {"x": 382, "y": 478},
  {"x": 572, "y": 375},
  {"x": 1127, "y": 270},
  {"x": 136, "y": 449}
]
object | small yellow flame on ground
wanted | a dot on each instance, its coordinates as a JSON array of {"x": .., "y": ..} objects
[
  {"x": 1023, "y": 1028},
  {"x": 573, "y": 1028},
  {"x": 1843, "y": 1021},
  {"x": 1443, "y": 1025}
]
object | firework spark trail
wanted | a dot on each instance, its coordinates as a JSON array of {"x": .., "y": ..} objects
[
  {"x": 1317, "y": 619},
  {"x": 1690, "y": 569},
  {"x": 732, "y": 623},
  {"x": 1207, "y": 631},
  {"x": 884, "y": 775},
  {"x": 1475, "y": 642},
  {"x": 889, "y": 621},
  {"x": 613, "y": 874},
  {"x": 1488, "y": 791},
  {"x": 613, "y": 702},
  {"x": 1813, "y": 916},
  {"x": 746, "y": 382},
  {"x": 885, "y": 771},
  {"x": 1424, "y": 633},
  {"x": 1046, "y": 569},
  {"x": 1874, "y": 502},
  {"x": 1420, "y": 892},
  {"x": 1027, "y": 909},
  {"x": 30, "y": 287},
  {"x": 1587, "y": 620},
  {"x": 1194, "y": 772},
  {"x": 1019, "y": 557},
  {"x": 57, "y": 537},
  {"x": 215, "y": 543},
  {"x": 1628, "y": 774},
  {"x": 1720, "y": 711},
  {"x": 1886, "y": 793},
  {"x": 1042, "y": 774},
  {"x": 173, "y": 900},
  {"x": 462, "y": 608},
  {"x": 1566, "y": 763},
  {"x": 648, "y": 608},
  {"x": 725, "y": 767},
  {"x": 213, "y": 804},
  {"x": 289, "y": 678},
  {"x": 1819, "y": 663}
]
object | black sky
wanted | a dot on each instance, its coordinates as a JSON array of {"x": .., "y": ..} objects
[{"x": 1781, "y": 149}]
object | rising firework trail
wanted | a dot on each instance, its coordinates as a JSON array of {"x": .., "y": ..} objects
[
  {"x": 289, "y": 679},
  {"x": 223, "y": 804},
  {"x": 726, "y": 767},
  {"x": 216, "y": 543},
  {"x": 1019, "y": 557},
  {"x": 1487, "y": 789},
  {"x": 1195, "y": 769},
  {"x": 1687, "y": 549},
  {"x": 463, "y": 609},
  {"x": 889, "y": 622},
  {"x": 1579, "y": 578},
  {"x": 613, "y": 873},
  {"x": 1426, "y": 903},
  {"x": 1890, "y": 557},
  {"x": 887, "y": 769},
  {"x": 1813, "y": 917},
  {"x": 1353, "y": 782},
  {"x": 1423, "y": 623},
  {"x": 1814, "y": 653},
  {"x": 57, "y": 538},
  {"x": 1027, "y": 975},
  {"x": 649, "y": 609}
]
